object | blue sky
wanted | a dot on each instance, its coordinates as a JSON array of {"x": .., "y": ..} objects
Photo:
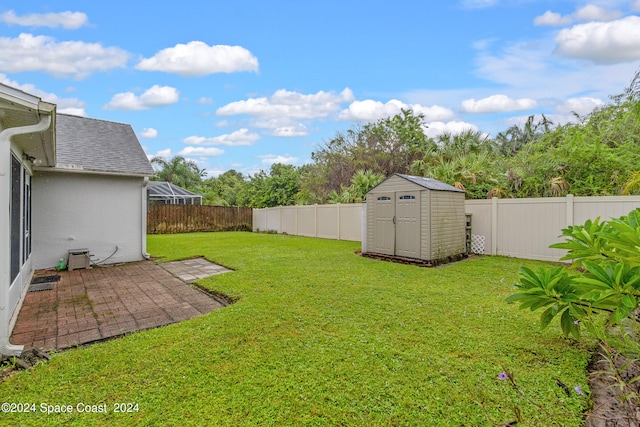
[{"x": 243, "y": 84}]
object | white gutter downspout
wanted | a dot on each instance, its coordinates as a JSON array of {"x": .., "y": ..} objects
[
  {"x": 143, "y": 232},
  {"x": 7, "y": 348}
]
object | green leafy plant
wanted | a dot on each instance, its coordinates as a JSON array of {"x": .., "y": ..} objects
[
  {"x": 599, "y": 291},
  {"x": 604, "y": 277}
]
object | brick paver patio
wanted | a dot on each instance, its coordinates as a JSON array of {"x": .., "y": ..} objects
[{"x": 103, "y": 302}]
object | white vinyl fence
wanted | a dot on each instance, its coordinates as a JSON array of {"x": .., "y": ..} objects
[
  {"x": 340, "y": 222},
  {"x": 520, "y": 228}
]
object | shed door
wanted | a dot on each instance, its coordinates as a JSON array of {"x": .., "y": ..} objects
[
  {"x": 384, "y": 211},
  {"x": 408, "y": 224}
]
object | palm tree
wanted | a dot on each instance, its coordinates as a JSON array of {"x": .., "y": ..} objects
[{"x": 179, "y": 171}]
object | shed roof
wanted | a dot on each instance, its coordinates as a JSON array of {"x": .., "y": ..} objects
[
  {"x": 93, "y": 145},
  {"x": 428, "y": 183}
]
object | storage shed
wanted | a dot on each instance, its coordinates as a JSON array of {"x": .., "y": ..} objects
[{"x": 415, "y": 217}]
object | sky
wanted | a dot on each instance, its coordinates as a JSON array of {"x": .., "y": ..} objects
[{"x": 244, "y": 84}]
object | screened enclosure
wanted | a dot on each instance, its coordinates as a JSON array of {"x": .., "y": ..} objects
[{"x": 166, "y": 193}]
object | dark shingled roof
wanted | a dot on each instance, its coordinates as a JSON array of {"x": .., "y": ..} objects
[
  {"x": 430, "y": 183},
  {"x": 99, "y": 146}
]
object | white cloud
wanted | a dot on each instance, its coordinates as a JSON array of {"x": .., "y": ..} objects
[
  {"x": 527, "y": 68},
  {"x": 149, "y": 133},
  {"x": 496, "y": 103},
  {"x": 552, "y": 19},
  {"x": 67, "y": 20},
  {"x": 205, "y": 101},
  {"x": 370, "y": 110},
  {"x": 588, "y": 13},
  {"x": 199, "y": 59},
  {"x": 293, "y": 105},
  {"x": 72, "y": 111},
  {"x": 602, "y": 42},
  {"x": 165, "y": 154},
  {"x": 156, "y": 96},
  {"x": 281, "y": 126},
  {"x": 237, "y": 138},
  {"x": 453, "y": 127},
  {"x": 70, "y": 58},
  {"x": 582, "y": 106},
  {"x": 636, "y": 5},
  {"x": 592, "y": 12},
  {"x": 291, "y": 131},
  {"x": 270, "y": 159},
  {"x": 201, "y": 151},
  {"x": 72, "y": 106}
]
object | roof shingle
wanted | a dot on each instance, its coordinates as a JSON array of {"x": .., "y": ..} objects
[
  {"x": 430, "y": 183},
  {"x": 99, "y": 146}
]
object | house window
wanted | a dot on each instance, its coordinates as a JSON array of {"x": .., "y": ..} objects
[{"x": 14, "y": 212}]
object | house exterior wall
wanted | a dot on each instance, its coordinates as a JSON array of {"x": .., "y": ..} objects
[{"x": 79, "y": 210}]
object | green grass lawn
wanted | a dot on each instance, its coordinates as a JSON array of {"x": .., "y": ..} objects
[{"x": 321, "y": 336}]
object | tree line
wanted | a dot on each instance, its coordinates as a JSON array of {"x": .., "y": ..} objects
[{"x": 595, "y": 155}]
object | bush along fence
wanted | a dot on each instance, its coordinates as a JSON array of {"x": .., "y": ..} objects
[{"x": 167, "y": 219}]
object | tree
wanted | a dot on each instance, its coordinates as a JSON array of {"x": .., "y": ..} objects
[
  {"x": 515, "y": 138},
  {"x": 223, "y": 190},
  {"x": 361, "y": 182},
  {"x": 387, "y": 146},
  {"x": 279, "y": 187},
  {"x": 179, "y": 171}
]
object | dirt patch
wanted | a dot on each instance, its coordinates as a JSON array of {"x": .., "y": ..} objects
[
  {"x": 607, "y": 378},
  {"x": 26, "y": 360}
]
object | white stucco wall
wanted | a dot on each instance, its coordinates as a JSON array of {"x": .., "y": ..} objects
[{"x": 98, "y": 212}]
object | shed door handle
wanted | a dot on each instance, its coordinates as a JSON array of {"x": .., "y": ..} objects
[{"x": 394, "y": 219}]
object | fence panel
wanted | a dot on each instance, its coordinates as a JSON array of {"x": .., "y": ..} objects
[
  {"x": 341, "y": 222},
  {"x": 526, "y": 227},
  {"x": 167, "y": 219},
  {"x": 521, "y": 228}
]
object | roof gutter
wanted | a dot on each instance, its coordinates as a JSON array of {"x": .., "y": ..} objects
[
  {"x": 80, "y": 169},
  {"x": 6, "y": 348}
]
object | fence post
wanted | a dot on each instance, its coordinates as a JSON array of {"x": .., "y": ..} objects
[
  {"x": 569, "y": 209},
  {"x": 280, "y": 219},
  {"x": 296, "y": 217},
  {"x": 338, "y": 208},
  {"x": 315, "y": 220},
  {"x": 494, "y": 226}
]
